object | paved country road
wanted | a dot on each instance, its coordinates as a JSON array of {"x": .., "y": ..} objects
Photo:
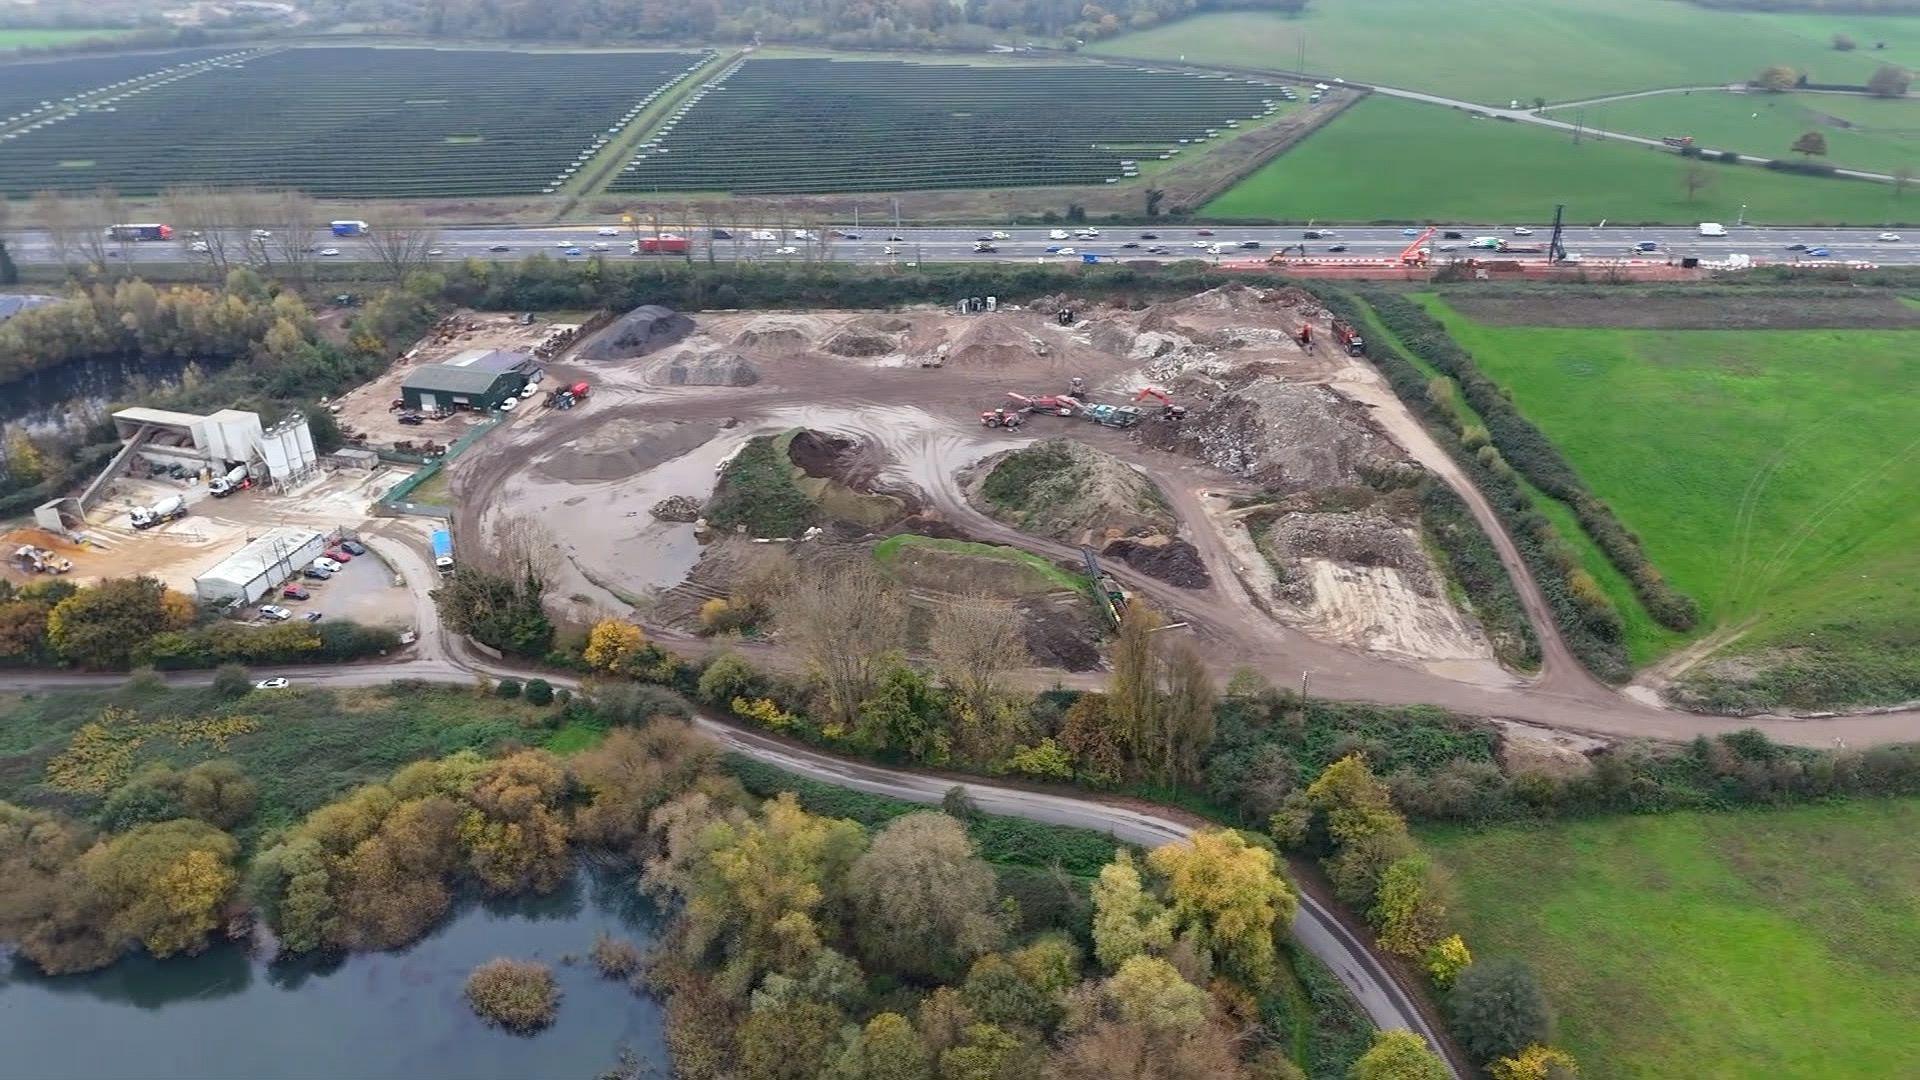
[{"x": 1315, "y": 927}]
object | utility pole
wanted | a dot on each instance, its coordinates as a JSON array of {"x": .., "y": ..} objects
[{"x": 1303, "y": 688}]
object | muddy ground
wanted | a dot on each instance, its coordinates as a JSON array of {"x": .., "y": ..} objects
[{"x": 1265, "y": 413}]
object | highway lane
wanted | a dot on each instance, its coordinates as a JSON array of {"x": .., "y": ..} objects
[{"x": 956, "y": 243}]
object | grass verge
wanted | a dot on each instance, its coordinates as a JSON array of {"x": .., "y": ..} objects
[
  {"x": 1742, "y": 944},
  {"x": 889, "y": 550}
]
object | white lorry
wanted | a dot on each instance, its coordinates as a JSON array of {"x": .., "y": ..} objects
[
  {"x": 167, "y": 509},
  {"x": 1712, "y": 228}
]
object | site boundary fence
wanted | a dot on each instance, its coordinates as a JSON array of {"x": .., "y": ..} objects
[{"x": 396, "y": 502}]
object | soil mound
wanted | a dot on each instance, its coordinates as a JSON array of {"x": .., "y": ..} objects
[
  {"x": 882, "y": 324},
  {"x": 1069, "y": 491},
  {"x": 819, "y": 454},
  {"x": 857, "y": 341},
  {"x": 1284, "y": 436},
  {"x": 712, "y": 369},
  {"x": 1361, "y": 538},
  {"x": 990, "y": 342},
  {"x": 643, "y": 330},
  {"x": 676, "y": 508},
  {"x": 773, "y": 333},
  {"x": 1059, "y": 638},
  {"x": 1175, "y": 562}
]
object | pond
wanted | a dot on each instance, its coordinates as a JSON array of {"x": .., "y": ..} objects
[
  {"x": 46, "y": 399},
  {"x": 223, "y": 1015}
]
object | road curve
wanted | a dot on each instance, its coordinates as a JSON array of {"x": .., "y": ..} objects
[{"x": 1315, "y": 927}]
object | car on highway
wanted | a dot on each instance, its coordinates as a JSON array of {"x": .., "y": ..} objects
[
  {"x": 499, "y": 247},
  {"x": 434, "y": 253},
  {"x": 198, "y": 247},
  {"x": 889, "y": 250},
  {"x": 1158, "y": 249},
  {"x": 261, "y": 234},
  {"x": 1149, "y": 236},
  {"x": 1057, "y": 234},
  {"x": 1647, "y": 247},
  {"x": 720, "y": 234},
  {"x": 1522, "y": 230},
  {"x": 998, "y": 235},
  {"x": 1818, "y": 252},
  {"x": 1249, "y": 244},
  {"x": 1068, "y": 251},
  {"x": 1131, "y": 244},
  {"x": 607, "y": 230},
  {"x": 329, "y": 252},
  {"x": 1203, "y": 232},
  {"x": 896, "y": 238},
  {"x": 842, "y": 234},
  {"x": 1409, "y": 232},
  {"x": 272, "y": 684},
  {"x": 1889, "y": 237},
  {"x": 1336, "y": 248},
  {"x": 1796, "y": 247},
  {"x": 602, "y": 245},
  {"x": 295, "y": 592},
  {"x": 786, "y": 251},
  {"x": 274, "y": 612},
  {"x": 571, "y": 251}
]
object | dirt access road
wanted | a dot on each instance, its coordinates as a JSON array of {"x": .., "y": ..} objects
[{"x": 587, "y": 475}]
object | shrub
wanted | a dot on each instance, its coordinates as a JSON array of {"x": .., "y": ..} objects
[
  {"x": 1496, "y": 1009},
  {"x": 518, "y": 995},
  {"x": 231, "y": 681},
  {"x": 617, "y": 958},
  {"x": 507, "y": 688},
  {"x": 726, "y": 677},
  {"x": 539, "y": 692}
]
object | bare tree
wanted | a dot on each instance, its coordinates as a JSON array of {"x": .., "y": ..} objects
[
  {"x": 975, "y": 642},
  {"x": 845, "y": 623},
  {"x": 1186, "y": 716},
  {"x": 1134, "y": 700},
  {"x": 201, "y": 223},
  {"x": 527, "y": 546},
  {"x": 1694, "y": 178},
  {"x": 293, "y": 218},
  {"x": 56, "y": 215},
  {"x": 400, "y": 243}
]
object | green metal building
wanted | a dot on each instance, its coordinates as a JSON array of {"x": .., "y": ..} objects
[{"x": 443, "y": 386}]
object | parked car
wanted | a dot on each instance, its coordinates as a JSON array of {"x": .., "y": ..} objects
[
  {"x": 507, "y": 405},
  {"x": 316, "y": 573},
  {"x": 313, "y": 616},
  {"x": 272, "y": 684},
  {"x": 354, "y": 546},
  {"x": 295, "y": 592},
  {"x": 324, "y": 563},
  {"x": 274, "y": 612},
  {"x": 339, "y": 554},
  {"x": 412, "y": 419}
]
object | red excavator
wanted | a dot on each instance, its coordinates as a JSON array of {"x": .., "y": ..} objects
[{"x": 1168, "y": 410}]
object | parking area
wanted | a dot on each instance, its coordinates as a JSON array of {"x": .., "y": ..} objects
[{"x": 365, "y": 590}]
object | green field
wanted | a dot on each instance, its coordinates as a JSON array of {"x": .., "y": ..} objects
[
  {"x": 1769, "y": 474},
  {"x": 1395, "y": 160},
  {"x": 40, "y": 39},
  {"x": 1775, "y": 944},
  {"x": 1881, "y": 135},
  {"x": 1492, "y": 51}
]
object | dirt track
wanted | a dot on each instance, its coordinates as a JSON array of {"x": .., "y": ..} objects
[{"x": 923, "y": 423}]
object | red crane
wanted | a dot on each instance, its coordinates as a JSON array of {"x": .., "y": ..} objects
[{"x": 1415, "y": 253}]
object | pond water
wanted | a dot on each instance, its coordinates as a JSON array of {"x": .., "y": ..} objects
[
  {"x": 46, "y": 399},
  {"x": 223, "y": 1015}
]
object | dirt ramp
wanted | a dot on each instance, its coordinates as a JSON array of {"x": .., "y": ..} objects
[
  {"x": 643, "y": 330},
  {"x": 993, "y": 342}
]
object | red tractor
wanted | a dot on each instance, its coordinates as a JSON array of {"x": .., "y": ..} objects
[{"x": 1002, "y": 418}]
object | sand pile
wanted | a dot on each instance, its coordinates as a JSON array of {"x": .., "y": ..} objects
[
  {"x": 775, "y": 333},
  {"x": 711, "y": 369},
  {"x": 1354, "y": 538},
  {"x": 643, "y": 330},
  {"x": 991, "y": 342}
]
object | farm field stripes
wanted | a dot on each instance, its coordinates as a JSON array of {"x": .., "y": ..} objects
[
  {"x": 817, "y": 125},
  {"x": 46, "y": 86},
  {"x": 348, "y": 122}
]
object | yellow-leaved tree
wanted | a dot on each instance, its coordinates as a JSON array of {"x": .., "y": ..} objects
[
  {"x": 1230, "y": 896},
  {"x": 612, "y": 644},
  {"x": 1536, "y": 1062}
]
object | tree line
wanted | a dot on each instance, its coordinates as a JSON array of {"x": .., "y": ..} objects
[{"x": 850, "y": 23}]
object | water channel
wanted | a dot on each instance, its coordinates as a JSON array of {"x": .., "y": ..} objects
[{"x": 224, "y": 1015}]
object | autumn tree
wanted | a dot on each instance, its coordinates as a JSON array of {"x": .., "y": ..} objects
[
  {"x": 1348, "y": 814},
  {"x": 613, "y": 644},
  {"x": 888, "y": 1049},
  {"x": 1230, "y": 896},
  {"x": 1810, "y": 143},
  {"x": 1133, "y": 696},
  {"x": 990, "y": 1052},
  {"x": 400, "y": 243},
  {"x": 1497, "y": 1009},
  {"x": 1087, "y": 734},
  {"x": 902, "y": 714},
  {"x": 102, "y": 626},
  {"x": 1127, "y": 920},
  {"x": 844, "y": 623},
  {"x": 792, "y": 1043},
  {"x": 1409, "y": 911},
  {"x": 631, "y": 773},
  {"x": 48, "y": 905},
  {"x": 168, "y": 883},
  {"x": 1889, "y": 81},
  {"x": 1148, "y": 1022},
  {"x": 1399, "y": 1055},
  {"x": 1777, "y": 79},
  {"x": 23, "y": 628},
  {"x": 924, "y": 904},
  {"x": 1187, "y": 697},
  {"x": 764, "y": 891}
]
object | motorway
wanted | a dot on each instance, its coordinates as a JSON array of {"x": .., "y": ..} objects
[{"x": 956, "y": 244}]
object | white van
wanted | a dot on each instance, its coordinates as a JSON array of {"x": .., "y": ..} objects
[{"x": 1712, "y": 228}]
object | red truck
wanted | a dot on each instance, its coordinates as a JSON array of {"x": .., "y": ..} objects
[{"x": 661, "y": 245}]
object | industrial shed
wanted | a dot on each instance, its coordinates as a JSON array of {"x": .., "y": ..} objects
[
  {"x": 256, "y": 570},
  {"x": 445, "y": 386}
]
